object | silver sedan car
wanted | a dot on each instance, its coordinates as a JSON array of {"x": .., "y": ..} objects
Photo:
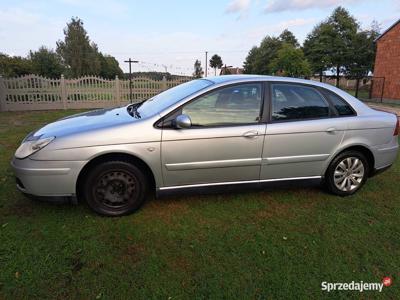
[{"x": 226, "y": 130}]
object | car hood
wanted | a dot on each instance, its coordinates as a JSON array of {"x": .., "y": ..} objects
[{"x": 88, "y": 121}]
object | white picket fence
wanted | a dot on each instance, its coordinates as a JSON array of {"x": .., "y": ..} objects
[{"x": 34, "y": 92}]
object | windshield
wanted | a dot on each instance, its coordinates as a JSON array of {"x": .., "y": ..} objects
[{"x": 167, "y": 98}]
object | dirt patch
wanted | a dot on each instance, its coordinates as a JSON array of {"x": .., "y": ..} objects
[
  {"x": 17, "y": 122},
  {"x": 166, "y": 209},
  {"x": 283, "y": 209},
  {"x": 21, "y": 209},
  {"x": 275, "y": 209},
  {"x": 179, "y": 263},
  {"x": 133, "y": 253}
]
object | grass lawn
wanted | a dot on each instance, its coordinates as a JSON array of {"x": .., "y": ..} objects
[
  {"x": 362, "y": 93},
  {"x": 269, "y": 244}
]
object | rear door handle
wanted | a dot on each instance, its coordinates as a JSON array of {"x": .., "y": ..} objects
[
  {"x": 251, "y": 134},
  {"x": 331, "y": 130}
]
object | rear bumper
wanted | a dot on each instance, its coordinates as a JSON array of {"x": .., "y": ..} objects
[
  {"x": 46, "y": 178},
  {"x": 385, "y": 155}
]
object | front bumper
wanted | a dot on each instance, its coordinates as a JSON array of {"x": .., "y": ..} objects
[{"x": 47, "y": 178}]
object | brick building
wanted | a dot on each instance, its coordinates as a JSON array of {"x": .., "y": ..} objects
[{"x": 387, "y": 64}]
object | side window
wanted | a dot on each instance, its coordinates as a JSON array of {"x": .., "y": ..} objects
[
  {"x": 239, "y": 104},
  {"x": 297, "y": 102},
  {"x": 341, "y": 106}
]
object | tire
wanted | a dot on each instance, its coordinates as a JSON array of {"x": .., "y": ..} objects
[
  {"x": 352, "y": 170},
  {"x": 115, "y": 188}
]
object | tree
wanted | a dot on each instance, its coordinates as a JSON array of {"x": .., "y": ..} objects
[
  {"x": 331, "y": 43},
  {"x": 290, "y": 62},
  {"x": 47, "y": 63},
  {"x": 249, "y": 65},
  {"x": 109, "y": 67},
  {"x": 77, "y": 52},
  {"x": 14, "y": 66},
  {"x": 216, "y": 62},
  {"x": 317, "y": 47},
  {"x": 364, "y": 48},
  {"x": 259, "y": 58},
  {"x": 267, "y": 51},
  {"x": 342, "y": 36},
  {"x": 288, "y": 37},
  {"x": 198, "y": 70}
]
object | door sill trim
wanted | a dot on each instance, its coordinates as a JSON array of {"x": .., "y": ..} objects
[{"x": 235, "y": 182}]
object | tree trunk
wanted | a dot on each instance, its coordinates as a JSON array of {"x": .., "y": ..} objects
[
  {"x": 337, "y": 76},
  {"x": 320, "y": 75},
  {"x": 215, "y": 71},
  {"x": 357, "y": 85}
]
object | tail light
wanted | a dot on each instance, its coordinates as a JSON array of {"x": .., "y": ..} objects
[{"x": 396, "y": 130}]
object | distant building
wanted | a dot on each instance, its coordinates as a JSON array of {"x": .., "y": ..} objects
[
  {"x": 387, "y": 64},
  {"x": 230, "y": 71}
]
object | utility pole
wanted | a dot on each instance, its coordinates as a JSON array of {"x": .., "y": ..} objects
[
  {"x": 130, "y": 61},
  {"x": 206, "y": 62}
]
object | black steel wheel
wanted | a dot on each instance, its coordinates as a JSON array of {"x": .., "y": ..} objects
[{"x": 115, "y": 188}]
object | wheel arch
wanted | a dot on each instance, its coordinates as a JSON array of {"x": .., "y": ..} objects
[
  {"x": 356, "y": 147},
  {"x": 114, "y": 156}
]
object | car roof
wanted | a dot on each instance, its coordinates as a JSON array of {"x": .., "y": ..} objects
[
  {"x": 245, "y": 77},
  {"x": 232, "y": 78},
  {"x": 227, "y": 79}
]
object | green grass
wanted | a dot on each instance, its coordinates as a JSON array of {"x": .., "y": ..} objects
[
  {"x": 268, "y": 244},
  {"x": 362, "y": 93}
]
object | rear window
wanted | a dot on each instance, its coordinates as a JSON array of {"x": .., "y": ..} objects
[{"x": 341, "y": 106}]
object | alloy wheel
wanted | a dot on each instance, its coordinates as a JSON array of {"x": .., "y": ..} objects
[{"x": 349, "y": 174}]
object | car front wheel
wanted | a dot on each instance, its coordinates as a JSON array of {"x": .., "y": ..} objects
[
  {"x": 347, "y": 173},
  {"x": 115, "y": 188}
]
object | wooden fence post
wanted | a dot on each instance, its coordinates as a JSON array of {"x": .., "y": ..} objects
[
  {"x": 63, "y": 92},
  {"x": 117, "y": 93},
  {"x": 164, "y": 83},
  {"x": 2, "y": 94}
]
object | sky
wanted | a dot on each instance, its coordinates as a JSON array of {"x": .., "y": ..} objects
[{"x": 171, "y": 34}]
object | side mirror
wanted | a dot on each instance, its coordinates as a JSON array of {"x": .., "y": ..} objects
[{"x": 183, "y": 121}]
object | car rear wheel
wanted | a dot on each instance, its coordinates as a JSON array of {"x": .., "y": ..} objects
[
  {"x": 347, "y": 173},
  {"x": 115, "y": 188}
]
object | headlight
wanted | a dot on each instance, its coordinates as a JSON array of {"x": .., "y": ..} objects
[{"x": 28, "y": 146}]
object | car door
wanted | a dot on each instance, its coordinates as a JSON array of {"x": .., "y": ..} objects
[
  {"x": 303, "y": 131},
  {"x": 224, "y": 142}
]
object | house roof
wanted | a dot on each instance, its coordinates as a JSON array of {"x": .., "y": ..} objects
[{"x": 387, "y": 30}]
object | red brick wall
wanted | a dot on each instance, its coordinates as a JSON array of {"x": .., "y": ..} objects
[{"x": 387, "y": 64}]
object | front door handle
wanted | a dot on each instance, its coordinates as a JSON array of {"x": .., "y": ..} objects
[{"x": 251, "y": 134}]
